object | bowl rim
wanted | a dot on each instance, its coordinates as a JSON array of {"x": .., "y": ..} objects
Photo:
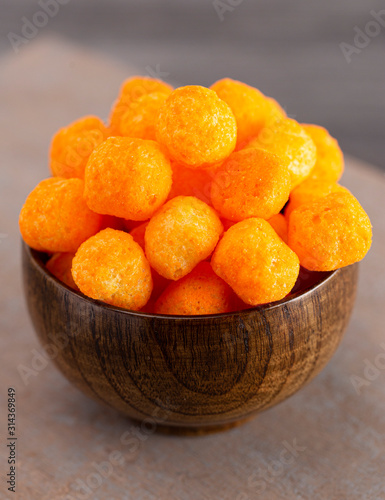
[{"x": 33, "y": 255}]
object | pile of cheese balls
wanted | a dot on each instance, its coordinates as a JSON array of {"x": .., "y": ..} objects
[{"x": 193, "y": 201}]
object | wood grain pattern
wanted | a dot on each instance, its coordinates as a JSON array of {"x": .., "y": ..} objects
[{"x": 189, "y": 372}]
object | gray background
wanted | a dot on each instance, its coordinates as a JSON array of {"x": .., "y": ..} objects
[{"x": 288, "y": 49}]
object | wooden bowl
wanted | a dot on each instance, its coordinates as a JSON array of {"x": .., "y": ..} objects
[{"x": 189, "y": 373}]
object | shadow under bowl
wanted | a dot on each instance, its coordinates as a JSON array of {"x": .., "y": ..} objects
[{"x": 189, "y": 374}]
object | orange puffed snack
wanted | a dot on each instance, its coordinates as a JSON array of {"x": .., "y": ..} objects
[
  {"x": 55, "y": 217},
  {"x": 197, "y": 128},
  {"x": 159, "y": 282},
  {"x": 200, "y": 292},
  {"x": 255, "y": 262},
  {"x": 310, "y": 190},
  {"x": 251, "y": 108},
  {"x": 72, "y": 145},
  {"x": 191, "y": 182},
  {"x": 331, "y": 232},
  {"x": 180, "y": 235},
  {"x": 250, "y": 183},
  {"x": 279, "y": 224},
  {"x": 287, "y": 139},
  {"x": 60, "y": 265},
  {"x": 330, "y": 160},
  {"x": 112, "y": 267},
  {"x": 128, "y": 178},
  {"x": 132, "y": 89},
  {"x": 141, "y": 116}
]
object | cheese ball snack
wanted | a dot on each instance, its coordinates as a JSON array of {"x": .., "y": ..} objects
[
  {"x": 279, "y": 224},
  {"x": 252, "y": 109},
  {"x": 200, "y": 292},
  {"x": 191, "y": 182},
  {"x": 159, "y": 282},
  {"x": 180, "y": 235},
  {"x": 331, "y": 232},
  {"x": 128, "y": 178},
  {"x": 250, "y": 183},
  {"x": 72, "y": 146},
  {"x": 330, "y": 160},
  {"x": 112, "y": 267},
  {"x": 136, "y": 211},
  {"x": 60, "y": 265},
  {"x": 141, "y": 115},
  {"x": 132, "y": 89},
  {"x": 56, "y": 218},
  {"x": 310, "y": 190},
  {"x": 287, "y": 139},
  {"x": 255, "y": 262},
  {"x": 197, "y": 128}
]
